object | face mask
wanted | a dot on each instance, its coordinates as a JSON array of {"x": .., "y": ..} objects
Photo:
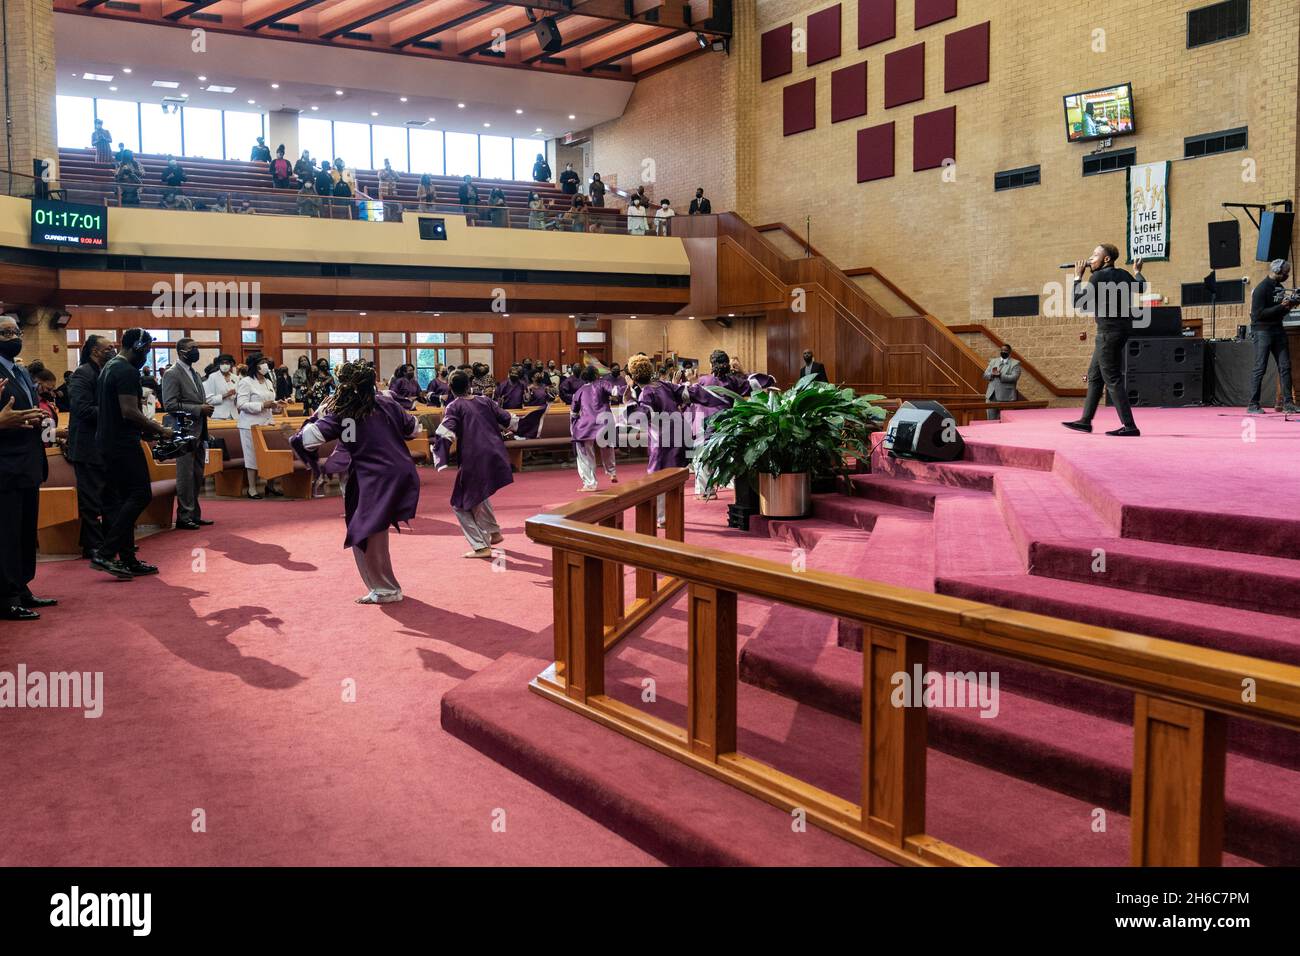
[
  {"x": 138, "y": 361},
  {"x": 191, "y": 356},
  {"x": 225, "y": 368},
  {"x": 264, "y": 369},
  {"x": 10, "y": 348}
]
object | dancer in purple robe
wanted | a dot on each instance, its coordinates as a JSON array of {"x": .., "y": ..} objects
[
  {"x": 569, "y": 386},
  {"x": 707, "y": 404},
  {"x": 589, "y": 420},
  {"x": 404, "y": 387},
  {"x": 539, "y": 393},
  {"x": 759, "y": 382},
  {"x": 383, "y": 487},
  {"x": 662, "y": 405},
  {"x": 510, "y": 393},
  {"x": 475, "y": 422}
]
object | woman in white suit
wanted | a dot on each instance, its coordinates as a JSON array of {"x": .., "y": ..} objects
[
  {"x": 220, "y": 388},
  {"x": 255, "y": 400}
]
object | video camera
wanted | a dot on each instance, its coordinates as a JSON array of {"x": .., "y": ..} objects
[
  {"x": 1282, "y": 293},
  {"x": 183, "y": 440}
]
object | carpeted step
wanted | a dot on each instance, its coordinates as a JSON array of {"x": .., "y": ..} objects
[
  {"x": 985, "y": 452},
  {"x": 1081, "y": 755},
  {"x": 1251, "y": 582},
  {"x": 971, "y": 537},
  {"x": 1247, "y": 533},
  {"x": 957, "y": 474},
  {"x": 906, "y": 493},
  {"x": 1039, "y": 505},
  {"x": 860, "y": 513}
]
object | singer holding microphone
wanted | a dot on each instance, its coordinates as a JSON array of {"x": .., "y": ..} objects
[{"x": 1109, "y": 296}]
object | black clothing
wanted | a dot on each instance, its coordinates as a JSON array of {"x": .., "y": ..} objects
[
  {"x": 128, "y": 480},
  {"x": 569, "y": 182},
  {"x": 816, "y": 368},
  {"x": 61, "y": 401},
  {"x": 304, "y": 169},
  {"x": 324, "y": 183},
  {"x": 23, "y": 469},
  {"x": 22, "y": 450},
  {"x": 700, "y": 206},
  {"x": 97, "y": 503},
  {"x": 281, "y": 172},
  {"x": 1270, "y": 340},
  {"x": 113, "y": 432},
  {"x": 1107, "y": 369},
  {"x": 1110, "y": 296},
  {"x": 83, "y": 414},
  {"x": 541, "y": 171},
  {"x": 261, "y": 154},
  {"x": 1263, "y": 313}
]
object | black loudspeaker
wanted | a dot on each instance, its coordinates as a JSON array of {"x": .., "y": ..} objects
[
  {"x": 1225, "y": 244},
  {"x": 1165, "y": 389},
  {"x": 1166, "y": 320},
  {"x": 548, "y": 34},
  {"x": 719, "y": 17},
  {"x": 925, "y": 431},
  {"x": 1176, "y": 355},
  {"x": 1275, "y": 236}
]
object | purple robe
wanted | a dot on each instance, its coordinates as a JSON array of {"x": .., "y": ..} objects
[
  {"x": 569, "y": 387},
  {"x": 706, "y": 403},
  {"x": 383, "y": 486},
  {"x": 406, "y": 391},
  {"x": 510, "y": 394},
  {"x": 476, "y": 422},
  {"x": 589, "y": 416},
  {"x": 439, "y": 392},
  {"x": 759, "y": 381},
  {"x": 660, "y": 398},
  {"x": 537, "y": 395}
]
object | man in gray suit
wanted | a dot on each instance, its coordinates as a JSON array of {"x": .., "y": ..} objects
[
  {"x": 182, "y": 390},
  {"x": 1002, "y": 374}
]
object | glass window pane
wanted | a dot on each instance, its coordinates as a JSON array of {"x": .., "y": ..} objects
[
  {"x": 481, "y": 355},
  {"x": 426, "y": 151},
  {"x": 317, "y": 137},
  {"x": 453, "y": 337},
  {"x": 291, "y": 357},
  {"x": 202, "y": 132},
  {"x": 455, "y": 356},
  {"x": 294, "y": 337},
  {"x": 248, "y": 336},
  {"x": 161, "y": 335},
  {"x": 160, "y": 130},
  {"x": 462, "y": 154},
  {"x": 74, "y": 336},
  {"x": 74, "y": 117},
  {"x": 498, "y": 157},
  {"x": 352, "y": 144},
  {"x": 345, "y": 337},
  {"x": 526, "y": 151},
  {"x": 480, "y": 338},
  {"x": 204, "y": 335},
  {"x": 392, "y": 336},
  {"x": 242, "y": 130},
  {"x": 389, "y": 360},
  {"x": 591, "y": 337},
  {"x": 206, "y": 357},
  {"x": 390, "y": 144},
  {"x": 432, "y": 338},
  {"x": 122, "y": 119}
]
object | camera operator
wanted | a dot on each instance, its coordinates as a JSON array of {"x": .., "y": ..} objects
[
  {"x": 120, "y": 429},
  {"x": 183, "y": 391},
  {"x": 1269, "y": 305}
]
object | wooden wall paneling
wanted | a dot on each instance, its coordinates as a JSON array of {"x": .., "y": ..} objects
[{"x": 744, "y": 282}]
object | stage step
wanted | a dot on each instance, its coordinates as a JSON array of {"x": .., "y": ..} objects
[
  {"x": 905, "y": 492},
  {"x": 958, "y": 474},
  {"x": 982, "y": 452},
  {"x": 1245, "y": 533},
  {"x": 860, "y": 513},
  {"x": 1251, "y": 582},
  {"x": 1081, "y": 755}
]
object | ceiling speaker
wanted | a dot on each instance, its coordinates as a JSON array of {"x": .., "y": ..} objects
[{"x": 548, "y": 34}]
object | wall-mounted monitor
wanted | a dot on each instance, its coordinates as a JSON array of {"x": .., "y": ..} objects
[
  {"x": 1099, "y": 114},
  {"x": 57, "y": 223}
]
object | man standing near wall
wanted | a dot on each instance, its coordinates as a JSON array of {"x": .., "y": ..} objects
[
  {"x": 1002, "y": 374},
  {"x": 1269, "y": 305}
]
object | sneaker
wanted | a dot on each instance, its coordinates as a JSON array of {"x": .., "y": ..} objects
[
  {"x": 1290, "y": 408},
  {"x": 1079, "y": 426},
  {"x": 1254, "y": 410},
  {"x": 110, "y": 566}
]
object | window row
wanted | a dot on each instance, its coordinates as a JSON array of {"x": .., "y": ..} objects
[{"x": 146, "y": 128}]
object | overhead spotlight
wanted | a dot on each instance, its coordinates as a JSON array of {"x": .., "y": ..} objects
[
  {"x": 315, "y": 108},
  {"x": 721, "y": 45},
  {"x": 519, "y": 112},
  {"x": 203, "y": 79},
  {"x": 432, "y": 120},
  {"x": 126, "y": 69},
  {"x": 487, "y": 125},
  {"x": 112, "y": 89},
  {"x": 403, "y": 99},
  {"x": 338, "y": 92},
  {"x": 373, "y": 113},
  {"x": 702, "y": 40},
  {"x": 572, "y": 117},
  {"x": 460, "y": 106},
  {"x": 275, "y": 86},
  {"x": 252, "y": 102}
]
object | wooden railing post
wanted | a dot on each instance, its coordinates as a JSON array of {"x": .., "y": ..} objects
[
  {"x": 613, "y": 587},
  {"x": 675, "y": 513},
  {"x": 1179, "y": 754},
  {"x": 711, "y": 672},
  {"x": 893, "y": 737},
  {"x": 646, "y": 522},
  {"x": 579, "y": 628}
]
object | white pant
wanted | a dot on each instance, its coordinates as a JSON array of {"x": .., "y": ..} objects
[
  {"x": 586, "y": 451},
  {"x": 376, "y": 564},
  {"x": 479, "y": 525}
]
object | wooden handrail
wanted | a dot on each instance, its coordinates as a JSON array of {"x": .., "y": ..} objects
[
  {"x": 1056, "y": 390},
  {"x": 1183, "y": 694}
]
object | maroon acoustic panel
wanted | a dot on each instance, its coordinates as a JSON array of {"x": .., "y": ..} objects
[
  {"x": 849, "y": 92},
  {"x": 876, "y": 21},
  {"x": 966, "y": 58},
  {"x": 824, "y": 35},
  {"x": 876, "y": 152},
  {"x": 934, "y": 138},
  {"x": 905, "y": 76},
  {"x": 777, "y": 53},
  {"x": 929, "y": 12},
  {"x": 799, "y": 107}
]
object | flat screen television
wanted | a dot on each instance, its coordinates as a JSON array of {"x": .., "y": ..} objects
[{"x": 1099, "y": 114}]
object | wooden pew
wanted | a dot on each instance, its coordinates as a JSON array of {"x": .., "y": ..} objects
[{"x": 58, "y": 527}]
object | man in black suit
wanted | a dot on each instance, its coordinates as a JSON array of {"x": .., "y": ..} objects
[
  {"x": 699, "y": 205},
  {"x": 182, "y": 390},
  {"x": 96, "y": 501},
  {"x": 22, "y": 471},
  {"x": 810, "y": 367}
]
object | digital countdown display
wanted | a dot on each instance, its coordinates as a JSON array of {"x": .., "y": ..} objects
[{"x": 56, "y": 223}]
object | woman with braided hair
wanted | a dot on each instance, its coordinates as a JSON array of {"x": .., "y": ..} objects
[{"x": 382, "y": 486}]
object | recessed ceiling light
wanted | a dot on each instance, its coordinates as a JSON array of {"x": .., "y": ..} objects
[
  {"x": 486, "y": 125},
  {"x": 631, "y": 316},
  {"x": 315, "y": 107},
  {"x": 360, "y": 313},
  {"x": 403, "y": 99},
  {"x": 203, "y": 79},
  {"x": 113, "y": 89},
  {"x": 432, "y": 120},
  {"x": 572, "y": 317},
  {"x": 731, "y": 315},
  {"x": 538, "y": 130},
  {"x": 101, "y": 77},
  {"x": 338, "y": 92},
  {"x": 166, "y": 84},
  {"x": 220, "y": 89},
  {"x": 460, "y": 106},
  {"x": 252, "y": 102},
  {"x": 275, "y": 86},
  {"x": 373, "y": 113},
  {"x": 519, "y": 112},
  {"x": 126, "y": 69},
  {"x": 571, "y": 116},
  {"x": 108, "y": 310},
  {"x": 436, "y": 314}
]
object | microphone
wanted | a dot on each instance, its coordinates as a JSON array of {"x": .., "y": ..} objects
[{"x": 1066, "y": 265}]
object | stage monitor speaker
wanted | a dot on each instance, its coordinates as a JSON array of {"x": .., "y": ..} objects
[
  {"x": 1166, "y": 321},
  {"x": 1165, "y": 389},
  {"x": 1275, "y": 236},
  {"x": 1145, "y": 356},
  {"x": 548, "y": 35},
  {"x": 1225, "y": 244},
  {"x": 925, "y": 431}
]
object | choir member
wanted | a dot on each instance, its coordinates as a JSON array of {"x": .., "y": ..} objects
[
  {"x": 589, "y": 418},
  {"x": 439, "y": 390},
  {"x": 617, "y": 380},
  {"x": 383, "y": 487},
  {"x": 404, "y": 387},
  {"x": 708, "y": 403},
  {"x": 510, "y": 393},
  {"x": 475, "y": 423},
  {"x": 570, "y": 385},
  {"x": 760, "y": 381},
  {"x": 539, "y": 393},
  {"x": 662, "y": 405}
]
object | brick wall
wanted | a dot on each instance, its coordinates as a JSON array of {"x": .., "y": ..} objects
[{"x": 956, "y": 245}]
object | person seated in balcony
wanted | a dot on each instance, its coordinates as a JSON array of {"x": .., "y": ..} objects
[
  {"x": 342, "y": 188},
  {"x": 305, "y": 167},
  {"x": 540, "y": 392},
  {"x": 569, "y": 180},
  {"x": 510, "y": 393},
  {"x": 579, "y": 216},
  {"x": 425, "y": 194},
  {"x": 173, "y": 178},
  {"x": 247, "y": 208},
  {"x": 308, "y": 198},
  {"x": 261, "y": 152},
  {"x": 541, "y": 170},
  {"x": 467, "y": 193},
  {"x": 102, "y": 140},
  {"x": 129, "y": 179},
  {"x": 597, "y": 191},
  {"x": 281, "y": 170},
  {"x": 119, "y": 153},
  {"x": 699, "y": 205},
  {"x": 536, "y": 212},
  {"x": 497, "y": 210},
  {"x": 663, "y": 217},
  {"x": 636, "y": 217}
]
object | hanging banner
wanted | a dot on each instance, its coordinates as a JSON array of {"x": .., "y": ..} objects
[{"x": 1148, "y": 212}]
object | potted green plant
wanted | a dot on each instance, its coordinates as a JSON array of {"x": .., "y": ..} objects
[{"x": 787, "y": 438}]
